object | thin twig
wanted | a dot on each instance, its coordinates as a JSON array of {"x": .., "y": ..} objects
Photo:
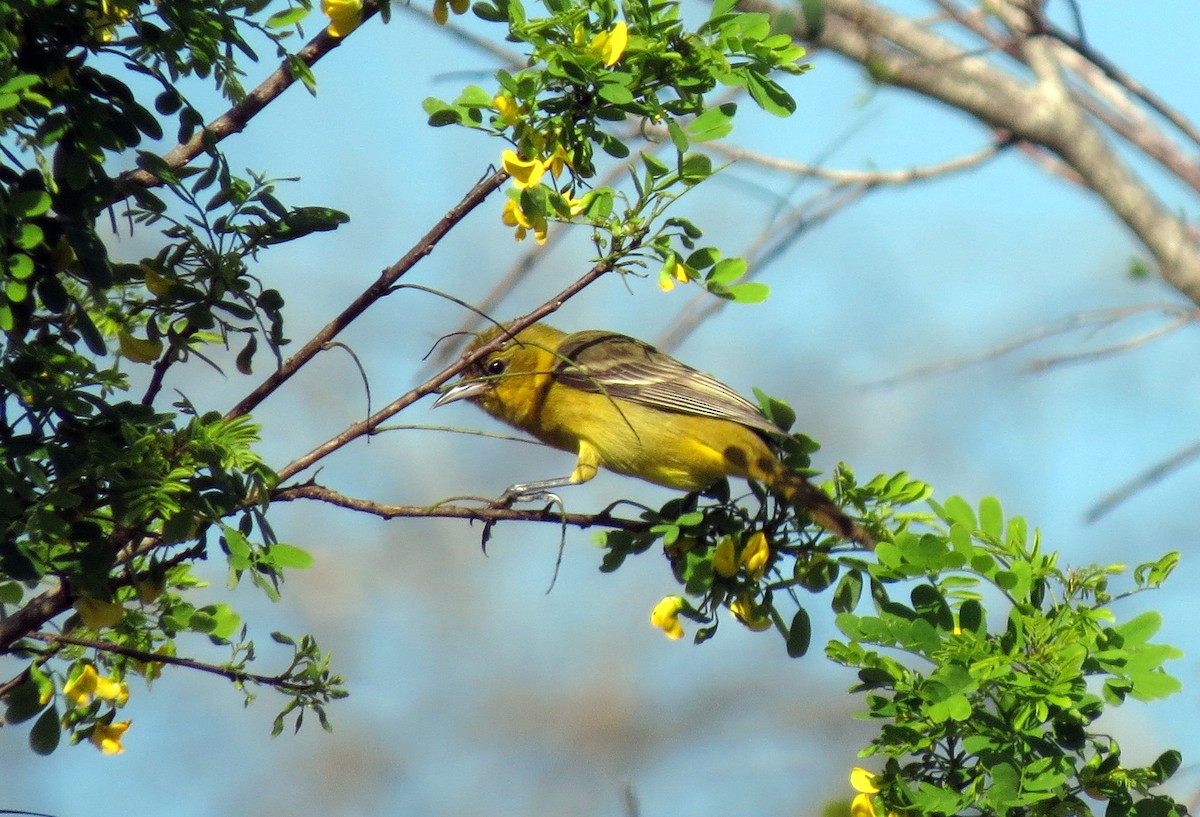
[
  {"x": 239, "y": 115},
  {"x": 1142, "y": 481},
  {"x": 380, "y": 288},
  {"x": 368, "y": 425},
  {"x": 865, "y": 177},
  {"x": 483, "y": 513},
  {"x": 1097, "y": 318},
  {"x": 241, "y": 676}
]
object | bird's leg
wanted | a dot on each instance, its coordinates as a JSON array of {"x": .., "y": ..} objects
[
  {"x": 586, "y": 468},
  {"x": 534, "y": 491}
]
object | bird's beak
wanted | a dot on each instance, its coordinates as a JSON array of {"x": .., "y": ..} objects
[{"x": 463, "y": 391}]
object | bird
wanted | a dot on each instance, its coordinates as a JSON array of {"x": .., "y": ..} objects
[{"x": 619, "y": 403}]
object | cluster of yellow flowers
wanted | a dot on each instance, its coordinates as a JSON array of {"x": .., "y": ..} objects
[
  {"x": 863, "y": 805},
  {"x": 726, "y": 563},
  {"x": 608, "y": 46},
  {"x": 87, "y": 685},
  {"x": 344, "y": 16}
]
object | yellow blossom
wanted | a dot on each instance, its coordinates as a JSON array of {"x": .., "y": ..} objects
[
  {"x": 88, "y": 683},
  {"x": 558, "y": 160},
  {"x": 861, "y": 806},
  {"x": 107, "y": 737},
  {"x": 668, "y": 277},
  {"x": 507, "y": 107},
  {"x": 108, "y": 19},
  {"x": 755, "y": 555},
  {"x": 111, "y": 690},
  {"x": 863, "y": 781},
  {"x": 80, "y": 690},
  {"x": 524, "y": 172},
  {"x": 665, "y": 616},
  {"x": 724, "y": 560},
  {"x": 344, "y": 16},
  {"x": 514, "y": 216},
  {"x": 98, "y": 614},
  {"x": 746, "y": 612},
  {"x": 610, "y": 45},
  {"x": 580, "y": 205}
]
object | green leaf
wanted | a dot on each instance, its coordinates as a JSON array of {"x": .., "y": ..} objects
[
  {"x": 769, "y": 95},
  {"x": 957, "y": 509},
  {"x": 714, "y": 123},
  {"x": 29, "y": 203},
  {"x": 799, "y": 634},
  {"x": 474, "y": 97},
  {"x": 750, "y": 292},
  {"x": 727, "y": 270},
  {"x": 441, "y": 114},
  {"x": 289, "y": 556},
  {"x": 678, "y": 137},
  {"x": 695, "y": 168},
  {"x": 46, "y": 732},
  {"x": 991, "y": 517},
  {"x": 287, "y": 17}
]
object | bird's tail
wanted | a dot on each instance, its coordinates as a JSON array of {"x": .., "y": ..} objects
[{"x": 806, "y": 497}]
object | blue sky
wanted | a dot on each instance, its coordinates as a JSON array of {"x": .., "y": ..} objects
[{"x": 472, "y": 689}]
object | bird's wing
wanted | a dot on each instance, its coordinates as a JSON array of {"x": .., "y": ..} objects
[{"x": 623, "y": 367}]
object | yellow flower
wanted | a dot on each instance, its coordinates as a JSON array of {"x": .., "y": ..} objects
[
  {"x": 665, "y": 616},
  {"x": 524, "y": 172},
  {"x": 110, "y": 690},
  {"x": 98, "y": 614},
  {"x": 861, "y": 806},
  {"x": 668, "y": 277},
  {"x": 610, "y": 45},
  {"x": 580, "y": 205},
  {"x": 107, "y": 737},
  {"x": 89, "y": 683},
  {"x": 506, "y": 106},
  {"x": 344, "y": 16},
  {"x": 755, "y": 555},
  {"x": 863, "y": 781},
  {"x": 514, "y": 216},
  {"x": 80, "y": 690},
  {"x": 724, "y": 560},
  {"x": 746, "y": 611},
  {"x": 558, "y": 160},
  {"x": 109, "y": 18}
]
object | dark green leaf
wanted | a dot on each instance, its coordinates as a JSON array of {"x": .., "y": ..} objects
[
  {"x": 46, "y": 732},
  {"x": 799, "y": 634}
]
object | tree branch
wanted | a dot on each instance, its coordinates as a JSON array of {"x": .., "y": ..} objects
[
  {"x": 239, "y": 115},
  {"x": 900, "y": 52},
  {"x": 484, "y": 513},
  {"x": 381, "y": 287}
]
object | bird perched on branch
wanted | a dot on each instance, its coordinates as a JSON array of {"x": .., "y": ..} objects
[{"x": 621, "y": 404}]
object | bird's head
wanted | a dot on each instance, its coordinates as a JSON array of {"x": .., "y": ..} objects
[{"x": 503, "y": 382}]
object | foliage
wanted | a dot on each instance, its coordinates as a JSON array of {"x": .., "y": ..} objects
[
  {"x": 110, "y": 498},
  {"x": 980, "y": 657},
  {"x": 104, "y": 493}
]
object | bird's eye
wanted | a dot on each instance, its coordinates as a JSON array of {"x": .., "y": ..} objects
[{"x": 495, "y": 367}]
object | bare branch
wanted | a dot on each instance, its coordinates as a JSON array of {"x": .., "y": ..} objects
[
  {"x": 1143, "y": 481},
  {"x": 236, "y": 118},
  {"x": 381, "y": 287},
  {"x": 864, "y": 177},
  {"x": 483, "y": 513},
  {"x": 240, "y": 676},
  {"x": 902, "y": 53},
  {"x": 370, "y": 424},
  {"x": 1095, "y": 319}
]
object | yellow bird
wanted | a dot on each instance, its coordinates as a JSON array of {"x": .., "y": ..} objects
[{"x": 621, "y": 404}]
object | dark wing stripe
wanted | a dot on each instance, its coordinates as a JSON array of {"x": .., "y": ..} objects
[{"x": 642, "y": 374}]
